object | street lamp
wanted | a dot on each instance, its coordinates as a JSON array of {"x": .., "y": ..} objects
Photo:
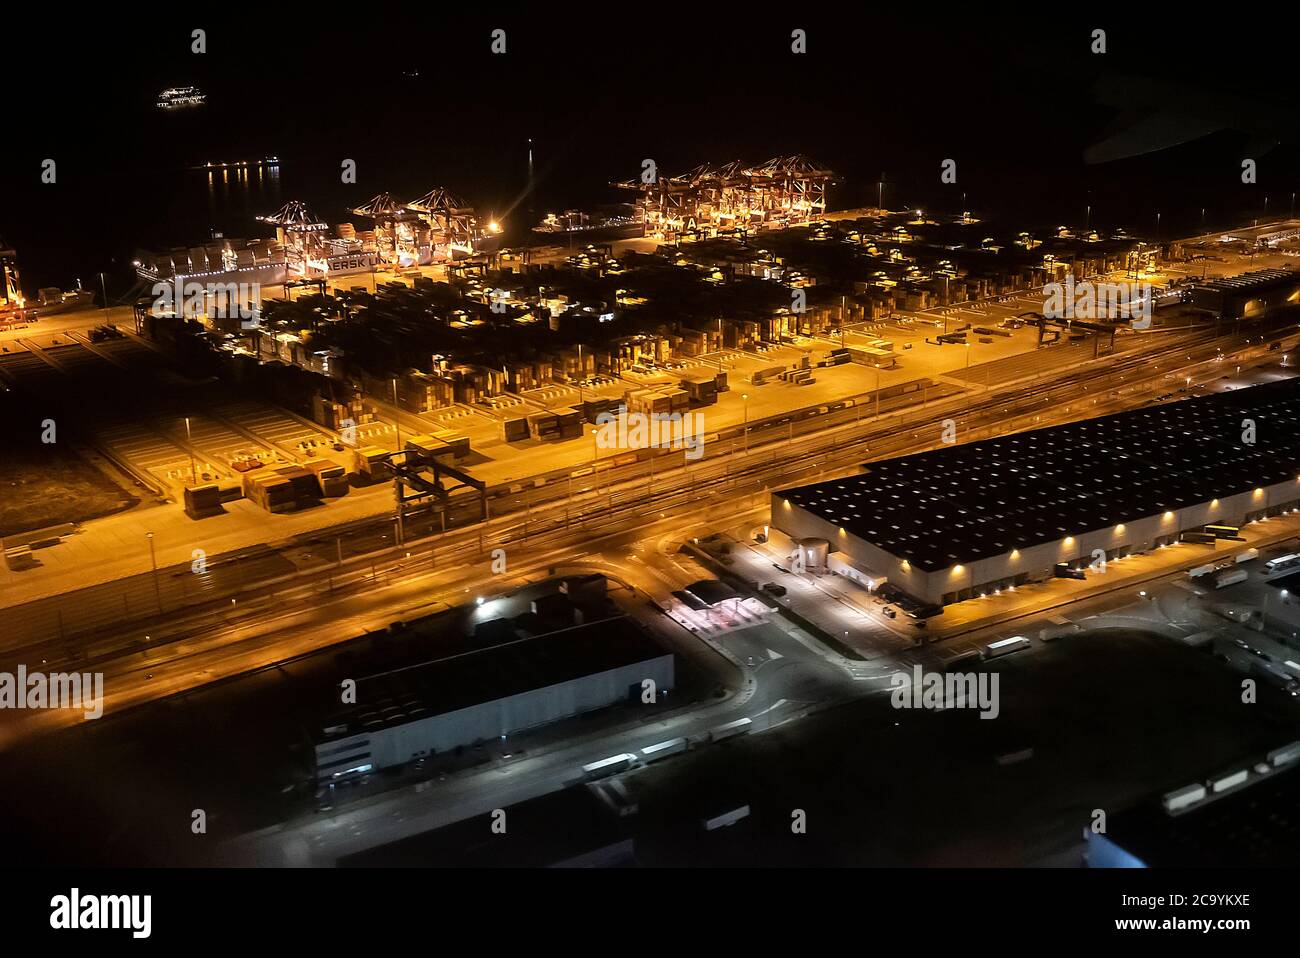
[
  {"x": 745, "y": 396},
  {"x": 397, "y": 416},
  {"x": 153, "y": 562},
  {"x": 190, "y": 449}
]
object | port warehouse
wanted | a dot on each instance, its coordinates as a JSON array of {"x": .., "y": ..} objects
[
  {"x": 965, "y": 520},
  {"x": 480, "y": 694},
  {"x": 1250, "y": 296}
]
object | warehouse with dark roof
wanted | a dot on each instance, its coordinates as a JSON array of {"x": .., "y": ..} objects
[
  {"x": 481, "y": 694},
  {"x": 1249, "y": 296},
  {"x": 965, "y": 520}
]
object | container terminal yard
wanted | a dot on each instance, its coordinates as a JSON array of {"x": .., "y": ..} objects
[{"x": 683, "y": 497}]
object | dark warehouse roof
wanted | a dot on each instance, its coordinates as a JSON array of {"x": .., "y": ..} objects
[
  {"x": 483, "y": 675},
  {"x": 959, "y": 504},
  {"x": 1255, "y": 282}
]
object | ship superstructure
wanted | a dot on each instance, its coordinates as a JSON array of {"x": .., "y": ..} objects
[{"x": 180, "y": 97}]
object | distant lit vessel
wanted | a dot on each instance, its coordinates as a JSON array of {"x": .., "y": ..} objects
[
  {"x": 236, "y": 164},
  {"x": 614, "y": 222},
  {"x": 176, "y": 97}
]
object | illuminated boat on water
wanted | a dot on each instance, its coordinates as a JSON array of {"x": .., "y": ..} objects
[{"x": 180, "y": 97}]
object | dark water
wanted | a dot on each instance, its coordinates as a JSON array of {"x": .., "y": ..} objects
[{"x": 1010, "y": 102}]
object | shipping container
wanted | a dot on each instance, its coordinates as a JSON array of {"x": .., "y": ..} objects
[
  {"x": 331, "y": 478},
  {"x": 202, "y": 500},
  {"x": 370, "y": 462},
  {"x": 514, "y": 430}
]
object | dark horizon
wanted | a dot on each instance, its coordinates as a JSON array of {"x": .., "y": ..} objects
[{"x": 1015, "y": 110}]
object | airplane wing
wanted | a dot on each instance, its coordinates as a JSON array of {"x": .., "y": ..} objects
[{"x": 1150, "y": 133}]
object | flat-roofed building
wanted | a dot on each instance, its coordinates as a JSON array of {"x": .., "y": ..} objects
[
  {"x": 1251, "y": 295},
  {"x": 481, "y": 694},
  {"x": 965, "y": 520}
]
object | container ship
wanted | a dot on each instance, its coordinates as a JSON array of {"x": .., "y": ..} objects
[{"x": 620, "y": 221}]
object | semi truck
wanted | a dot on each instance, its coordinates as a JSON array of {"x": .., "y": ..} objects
[
  {"x": 609, "y": 766},
  {"x": 1281, "y": 562},
  {"x": 737, "y": 727},
  {"x": 1004, "y": 646},
  {"x": 660, "y": 750},
  {"x": 1231, "y": 577}
]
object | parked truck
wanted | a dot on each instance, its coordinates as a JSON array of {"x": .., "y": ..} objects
[
  {"x": 1231, "y": 577},
  {"x": 663, "y": 749},
  {"x": 1016, "y": 643},
  {"x": 609, "y": 766}
]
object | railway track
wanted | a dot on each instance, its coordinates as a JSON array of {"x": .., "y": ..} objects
[{"x": 822, "y": 445}]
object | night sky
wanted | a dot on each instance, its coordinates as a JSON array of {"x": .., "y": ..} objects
[{"x": 1010, "y": 97}]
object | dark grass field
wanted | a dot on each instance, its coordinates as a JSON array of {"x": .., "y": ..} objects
[{"x": 45, "y": 485}]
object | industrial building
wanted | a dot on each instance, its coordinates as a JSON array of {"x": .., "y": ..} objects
[
  {"x": 1250, "y": 296},
  {"x": 966, "y": 520},
  {"x": 479, "y": 695}
]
